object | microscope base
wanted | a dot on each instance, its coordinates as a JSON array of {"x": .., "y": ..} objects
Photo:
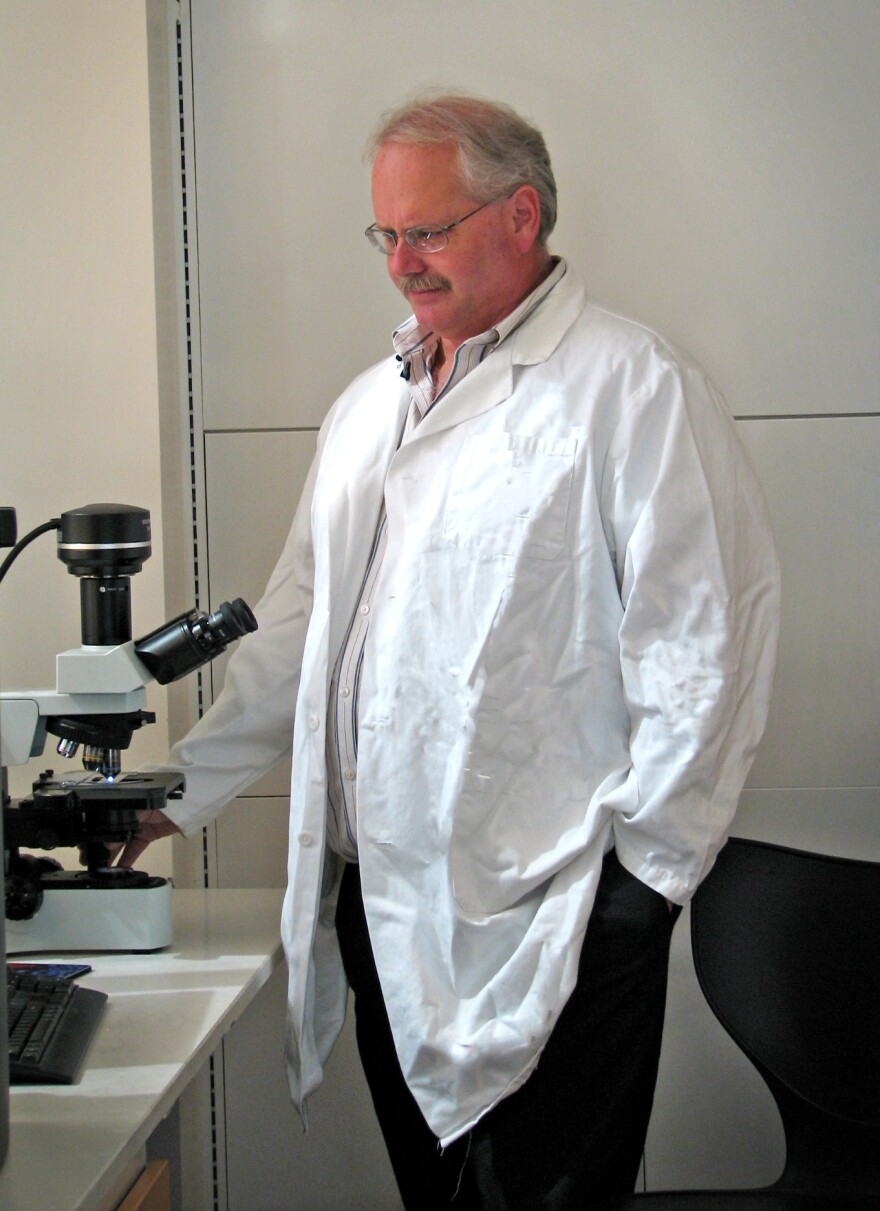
[{"x": 87, "y": 919}]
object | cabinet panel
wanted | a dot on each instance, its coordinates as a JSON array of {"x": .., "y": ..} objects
[
  {"x": 341, "y": 1165},
  {"x": 251, "y": 842},
  {"x": 253, "y": 484}
]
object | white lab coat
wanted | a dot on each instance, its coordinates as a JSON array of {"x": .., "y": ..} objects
[{"x": 571, "y": 647}]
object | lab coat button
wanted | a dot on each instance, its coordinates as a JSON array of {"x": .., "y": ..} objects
[
  {"x": 305, "y": 838},
  {"x": 313, "y": 723}
]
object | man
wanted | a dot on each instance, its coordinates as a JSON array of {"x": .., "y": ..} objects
[{"x": 522, "y": 634}]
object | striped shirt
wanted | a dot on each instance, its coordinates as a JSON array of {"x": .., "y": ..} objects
[{"x": 416, "y": 350}]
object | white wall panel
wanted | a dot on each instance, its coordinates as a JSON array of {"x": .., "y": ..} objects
[
  {"x": 717, "y": 165},
  {"x": 714, "y": 1124},
  {"x": 253, "y": 485},
  {"x": 254, "y": 481},
  {"x": 823, "y": 489},
  {"x": 843, "y": 821}
]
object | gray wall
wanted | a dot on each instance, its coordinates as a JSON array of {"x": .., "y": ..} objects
[
  {"x": 78, "y": 415},
  {"x": 717, "y": 163}
]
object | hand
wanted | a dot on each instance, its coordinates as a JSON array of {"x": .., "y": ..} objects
[{"x": 153, "y": 825}]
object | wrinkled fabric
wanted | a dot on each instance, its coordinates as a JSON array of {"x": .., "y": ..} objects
[{"x": 571, "y": 648}]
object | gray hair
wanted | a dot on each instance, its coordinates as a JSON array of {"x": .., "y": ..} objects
[{"x": 498, "y": 150}]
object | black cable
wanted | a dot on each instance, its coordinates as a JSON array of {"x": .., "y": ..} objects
[{"x": 23, "y": 542}]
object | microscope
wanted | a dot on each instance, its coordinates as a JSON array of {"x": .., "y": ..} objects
[{"x": 97, "y": 705}]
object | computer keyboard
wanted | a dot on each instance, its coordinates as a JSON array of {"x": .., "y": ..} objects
[{"x": 51, "y": 1024}]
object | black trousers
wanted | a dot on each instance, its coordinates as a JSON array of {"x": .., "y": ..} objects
[{"x": 574, "y": 1132}]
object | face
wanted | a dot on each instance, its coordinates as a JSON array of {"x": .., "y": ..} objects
[{"x": 487, "y": 268}]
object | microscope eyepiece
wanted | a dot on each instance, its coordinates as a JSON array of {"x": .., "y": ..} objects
[{"x": 192, "y": 639}]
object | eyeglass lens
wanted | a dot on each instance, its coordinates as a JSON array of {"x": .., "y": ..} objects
[{"x": 421, "y": 239}]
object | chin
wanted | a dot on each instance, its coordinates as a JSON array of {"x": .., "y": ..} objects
[{"x": 427, "y": 309}]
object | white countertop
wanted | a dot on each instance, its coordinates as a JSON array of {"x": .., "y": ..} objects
[{"x": 71, "y": 1145}]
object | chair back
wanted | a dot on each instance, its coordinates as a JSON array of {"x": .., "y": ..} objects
[{"x": 787, "y": 952}]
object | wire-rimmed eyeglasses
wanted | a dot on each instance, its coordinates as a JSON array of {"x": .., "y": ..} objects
[{"x": 430, "y": 238}]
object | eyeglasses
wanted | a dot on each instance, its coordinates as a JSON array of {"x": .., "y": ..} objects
[{"x": 420, "y": 239}]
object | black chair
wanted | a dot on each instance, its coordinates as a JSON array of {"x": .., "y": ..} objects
[{"x": 787, "y": 952}]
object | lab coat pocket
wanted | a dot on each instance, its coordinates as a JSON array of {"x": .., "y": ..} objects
[{"x": 510, "y": 494}]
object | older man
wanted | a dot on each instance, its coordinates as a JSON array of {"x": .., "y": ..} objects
[{"x": 522, "y": 635}]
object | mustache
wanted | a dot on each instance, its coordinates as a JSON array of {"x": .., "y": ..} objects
[{"x": 422, "y": 281}]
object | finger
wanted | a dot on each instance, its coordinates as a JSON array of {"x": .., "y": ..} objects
[
  {"x": 131, "y": 851},
  {"x": 126, "y": 853}
]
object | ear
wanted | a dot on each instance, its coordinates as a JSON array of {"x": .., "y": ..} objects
[{"x": 525, "y": 213}]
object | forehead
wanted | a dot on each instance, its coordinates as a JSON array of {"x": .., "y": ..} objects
[{"x": 414, "y": 184}]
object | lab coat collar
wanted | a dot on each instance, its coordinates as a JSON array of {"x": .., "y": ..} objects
[{"x": 490, "y": 383}]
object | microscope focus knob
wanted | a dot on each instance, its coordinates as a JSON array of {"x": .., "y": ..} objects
[{"x": 23, "y": 897}]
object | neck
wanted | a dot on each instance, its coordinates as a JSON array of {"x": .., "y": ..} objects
[
  {"x": 441, "y": 365},
  {"x": 541, "y": 269}
]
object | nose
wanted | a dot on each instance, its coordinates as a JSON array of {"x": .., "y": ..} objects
[{"x": 405, "y": 260}]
